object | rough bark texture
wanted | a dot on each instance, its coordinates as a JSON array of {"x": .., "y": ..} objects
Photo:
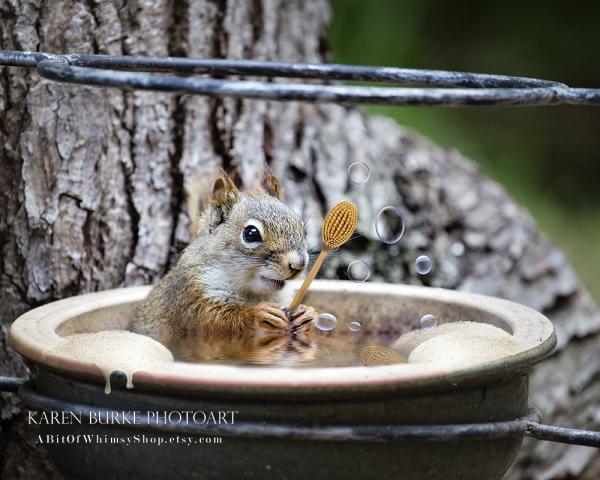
[{"x": 92, "y": 181}]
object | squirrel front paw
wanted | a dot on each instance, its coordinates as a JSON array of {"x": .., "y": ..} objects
[
  {"x": 272, "y": 318},
  {"x": 301, "y": 319}
]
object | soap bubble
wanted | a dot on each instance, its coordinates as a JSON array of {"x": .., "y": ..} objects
[
  {"x": 389, "y": 224},
  {"x": 354, "y": 326},
  {"x": 428, "y": 322},
  {"x": 359, "y": 271},
  {"x": 358, "y": 173},
  {"x": 457, "y": 249},
  {"x": 423, "y": 264},
  {"x": 326, "y": 322}
]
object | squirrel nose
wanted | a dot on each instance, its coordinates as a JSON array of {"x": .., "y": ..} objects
[
  {"x": 294, "y": 271},
  {"x": 297, "y": 262}
]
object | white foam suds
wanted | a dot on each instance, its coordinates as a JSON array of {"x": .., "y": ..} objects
[
  {"x": 458, "y": 344},
  {"x": 114, "y": 350}
]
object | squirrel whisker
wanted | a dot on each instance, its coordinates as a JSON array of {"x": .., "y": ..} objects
[
  {"x": 305, "y": 222},
  {"x": 305, "y": 203}
]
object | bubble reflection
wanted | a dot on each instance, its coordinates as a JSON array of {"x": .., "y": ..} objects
[
  {"x": 428, "y": 322},
  {"x": 358, "y": 173},
  {"x": 389, "y": 224},
  {"x": 423, "y": 264},
  {"x": 326, "y": 322},
  {"x": 359, "y": 271},
  {"x": 354, "y": 326}
]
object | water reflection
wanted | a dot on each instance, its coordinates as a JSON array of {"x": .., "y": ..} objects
[{"x": 313, "y": 350}]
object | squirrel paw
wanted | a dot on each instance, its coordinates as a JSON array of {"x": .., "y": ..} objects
[
  {"x": 272, "y": 318},
  {"x": 301, "y": 319}
]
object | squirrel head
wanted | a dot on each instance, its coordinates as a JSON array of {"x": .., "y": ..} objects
[{"x": 257, "y": 240}]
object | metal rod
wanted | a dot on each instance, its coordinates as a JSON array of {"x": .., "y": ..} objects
[
  {"x": 63, "y": 72},
  {"x": 11, "y": 384},
  {"x": 563, "y": 435},
  {"x": 217, "y": 66},
  {"x": 474, "y": 88}
]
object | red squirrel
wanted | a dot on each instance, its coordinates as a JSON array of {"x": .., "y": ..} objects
[{"x": 229, "y": 280}]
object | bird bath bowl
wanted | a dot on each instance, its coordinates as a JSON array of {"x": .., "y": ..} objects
[{"x": 421, "y": 420}]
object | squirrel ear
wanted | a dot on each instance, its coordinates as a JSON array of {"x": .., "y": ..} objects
[
  {"x": 271, "y": 184},
  {"x": 224, "y": 196}
]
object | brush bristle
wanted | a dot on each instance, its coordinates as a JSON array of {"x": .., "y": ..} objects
[
  {"x": 339, "y": 224},
  {"x": 378, "y": 355}
]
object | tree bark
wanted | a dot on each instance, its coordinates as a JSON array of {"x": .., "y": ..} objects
[{"x": 92, "y": 189}]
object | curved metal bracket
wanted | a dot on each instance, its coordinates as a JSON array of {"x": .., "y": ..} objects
[
  {"x": 527, "y": 425},
  {"x": 378, "y": 433},
  {"x": 63, "y": 72},
  {"x": 451, "y": 88}
]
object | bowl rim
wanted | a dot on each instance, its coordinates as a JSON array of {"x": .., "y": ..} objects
[{"x": 35, "y": 331}]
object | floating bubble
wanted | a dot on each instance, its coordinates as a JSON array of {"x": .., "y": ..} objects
[
  {"x": 354, "y": 326},
  {"x": 428, "y": 322},
  {"x": 389, "y": 224},
  {"x": 423, "y": 264},
  {"x": 359, "y": 271},
  {"x": 358, "y": 173},
  {"x": 457, "y": 249},
  {"x": 326, "y": 322}
]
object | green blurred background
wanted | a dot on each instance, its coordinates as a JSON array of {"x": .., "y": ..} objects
[{"x": 547, "y": 158}]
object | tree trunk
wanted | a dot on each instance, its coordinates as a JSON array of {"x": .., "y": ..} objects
[{"x": 92, "y": 189}]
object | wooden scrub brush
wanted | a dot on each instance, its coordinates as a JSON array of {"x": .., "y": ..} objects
[{"x": 337, "y": 229}]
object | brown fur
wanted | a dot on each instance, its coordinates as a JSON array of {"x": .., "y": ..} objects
[{"x": 176, "y": 307}]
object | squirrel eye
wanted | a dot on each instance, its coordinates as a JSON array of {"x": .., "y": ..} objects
[{"x": 251, "y": 234}]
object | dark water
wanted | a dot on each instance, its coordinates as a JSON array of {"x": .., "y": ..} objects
[{"x": 316, "y": 349}]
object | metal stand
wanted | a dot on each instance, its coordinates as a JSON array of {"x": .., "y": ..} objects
[{"x": 443, "y": 88}]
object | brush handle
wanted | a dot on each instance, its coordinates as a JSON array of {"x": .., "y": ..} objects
[{"x": 308, "y": 280}]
